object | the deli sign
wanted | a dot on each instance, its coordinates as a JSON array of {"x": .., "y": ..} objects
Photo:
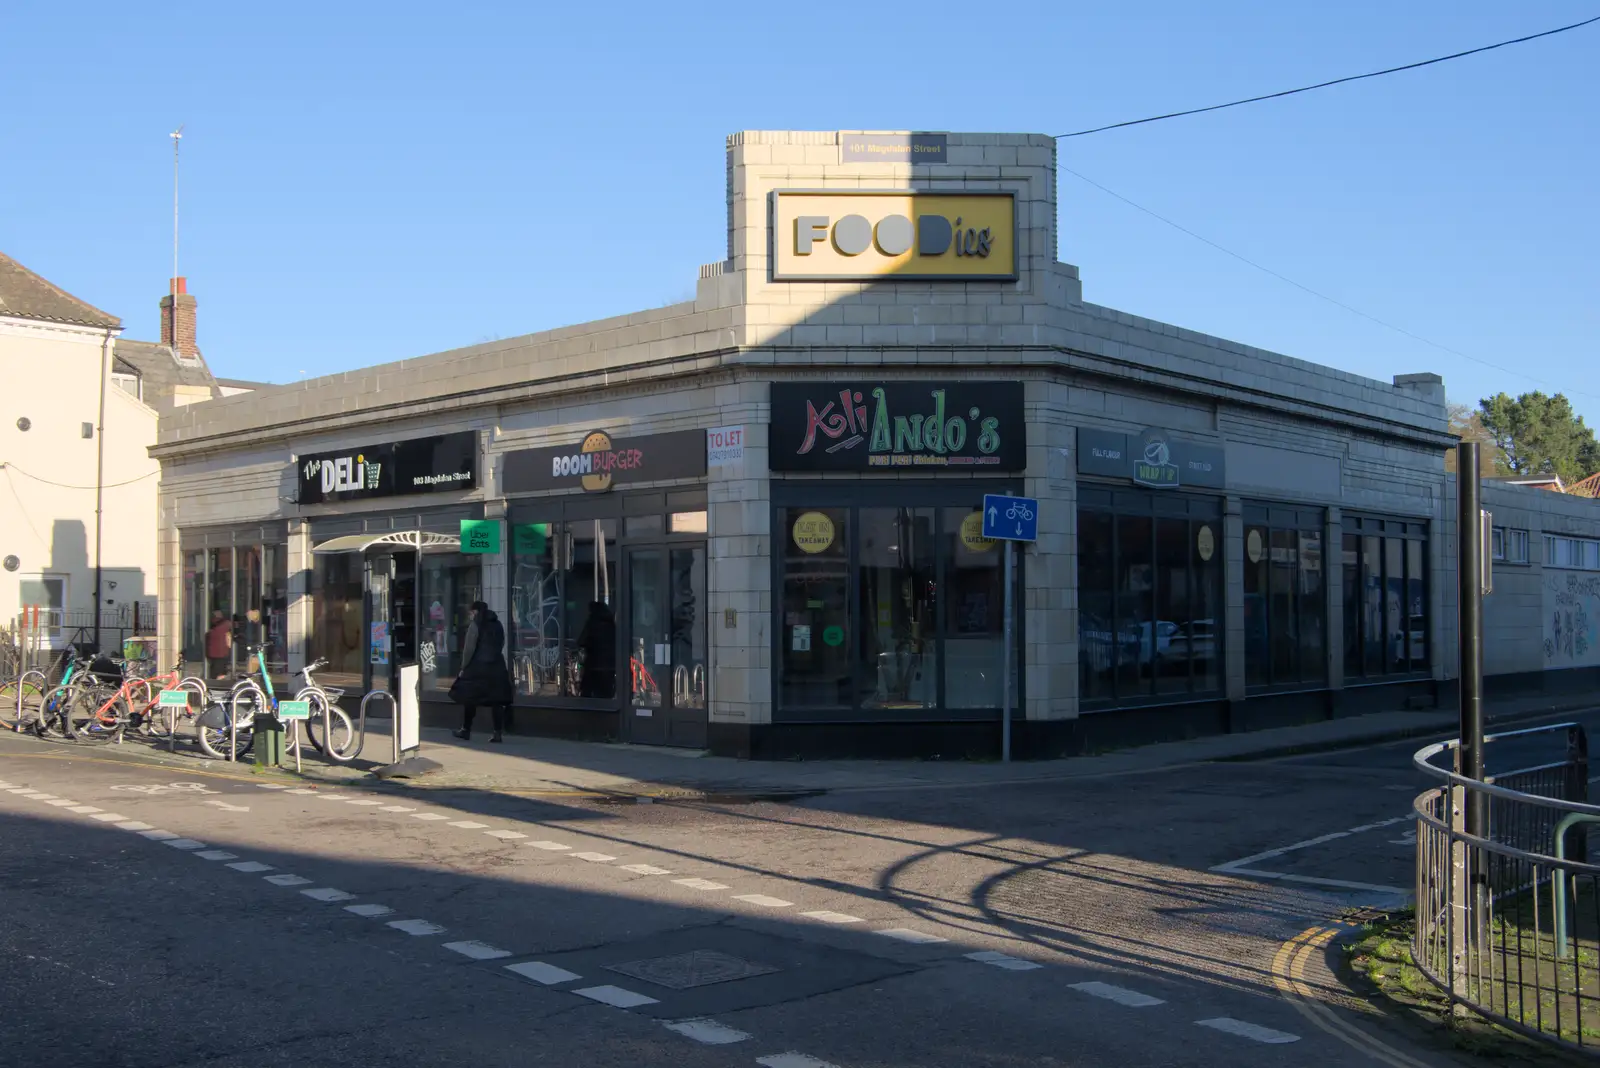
[
  {"x": 864, "y": 234},
  {"x": 890, "y": 426},
  {"x": 418, "y": 465}
]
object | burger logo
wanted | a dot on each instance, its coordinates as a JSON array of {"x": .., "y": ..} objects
[{"x": 596, "y": 462}]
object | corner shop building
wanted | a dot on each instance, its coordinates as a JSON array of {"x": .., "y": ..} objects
[{"x": 747, "y": 521}]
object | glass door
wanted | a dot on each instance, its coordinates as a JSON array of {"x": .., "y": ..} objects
[
  {"x": 665, "y": 639},
  {"x": 378, "y": 639},
  {"x": 647, "y": 645}
]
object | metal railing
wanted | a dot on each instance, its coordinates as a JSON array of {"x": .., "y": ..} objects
[{"x": 1495, "y": 910}]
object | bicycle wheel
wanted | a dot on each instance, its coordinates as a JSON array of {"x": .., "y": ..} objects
[
  {"x": 344, "y": 732},
  {"x": 19, "y": 715},
  {"x": 83, "y": 718},
  {"x": 211, "y": 729}
]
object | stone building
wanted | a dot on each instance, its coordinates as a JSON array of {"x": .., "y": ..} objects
[{"x": 752, "y": 521}]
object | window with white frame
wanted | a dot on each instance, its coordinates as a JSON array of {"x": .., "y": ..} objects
[
  {"x": 1582, "y": 554},
  {"x": 1510, "y": 545},
  {"x": 131, "y": 384}
]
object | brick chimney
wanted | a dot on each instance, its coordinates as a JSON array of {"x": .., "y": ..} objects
[{"x": 177, "y": 321}]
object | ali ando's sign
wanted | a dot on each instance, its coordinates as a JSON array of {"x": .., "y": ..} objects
[
  {"x": 893, "y": 234},
  {"x": 889, "y": 426},
  {"x": 599, "y": 462},
  {"x": 418, "y": 465}
]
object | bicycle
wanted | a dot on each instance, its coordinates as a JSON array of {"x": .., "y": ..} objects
[
  {"x": 248, "y": 699},
  {"x": 134, "y": 704}
]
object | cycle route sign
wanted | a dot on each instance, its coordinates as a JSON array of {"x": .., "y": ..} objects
[{"x": 1010, "y": 518}]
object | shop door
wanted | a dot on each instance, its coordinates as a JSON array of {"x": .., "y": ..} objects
[
  {"x": 665, "y": 642},
  {"x": 391, "y": 631}
]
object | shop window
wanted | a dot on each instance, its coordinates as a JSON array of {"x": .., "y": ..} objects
[
  {"x": 1149, "y": 596},
  {"x": 1285, "y": 599},
  {"x": 563, "y": 622},
  {"x": 447, "y": 584},
  {"x": 1386, "y": 597},
  {"x": 337, "y": 608},
  {"x": 814, "y": 658},
  {"x": 194, "y": 610}
]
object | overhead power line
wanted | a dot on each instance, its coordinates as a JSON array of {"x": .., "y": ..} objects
[
  {"x": 1336, "y": 81},
  {"x": 1320, "y": 295},
  {"x": 63, "y": 485}
]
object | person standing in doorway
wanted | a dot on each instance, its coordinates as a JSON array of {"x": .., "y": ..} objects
[
  {"x": 484, "y": 678},
  {"x": 219, "y": 643}
]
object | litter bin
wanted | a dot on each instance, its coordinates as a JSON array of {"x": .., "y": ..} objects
[{"x": 268, "y": 730}]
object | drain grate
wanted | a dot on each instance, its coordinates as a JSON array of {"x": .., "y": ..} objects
[{"x": 698, "y": 967}]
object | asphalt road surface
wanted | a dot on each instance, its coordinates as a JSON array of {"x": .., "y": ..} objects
[{"x": 174, "y": 920}]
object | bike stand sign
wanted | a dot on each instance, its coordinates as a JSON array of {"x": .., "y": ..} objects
[
  {"x": 294, "y": 713},
  {"x": 1007, "y": 519},
  {"x": 172, "y": 702}
]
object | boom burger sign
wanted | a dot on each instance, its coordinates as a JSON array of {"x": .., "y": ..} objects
[{"x": 600, "y": 462}]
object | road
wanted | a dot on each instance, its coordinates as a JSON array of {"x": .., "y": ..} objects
[{"x": 175, "y": 920}]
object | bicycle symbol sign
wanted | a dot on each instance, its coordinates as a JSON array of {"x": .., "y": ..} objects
[
  {"x": 171, "y": 787},
  {"x": 1010, "y": 518}
]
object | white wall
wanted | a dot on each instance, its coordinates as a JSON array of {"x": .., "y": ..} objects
[{"x": 47, "y": 498}]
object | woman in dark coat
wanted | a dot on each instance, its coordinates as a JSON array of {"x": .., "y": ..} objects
[{"x": 484, "y": 678}]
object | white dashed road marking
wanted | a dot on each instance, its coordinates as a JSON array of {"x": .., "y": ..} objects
[
  {"x": 1004, "y": 960},
  {"x": 1121, "y": 995},
  {"x": 369, "y": 910},
  {"x": 287, "y": 880},
  {"x": 155, "y": 834},
  {"x": 615, "y": 996},
  {"x": 792, "y": 1060},
  {"x": 916, "y": 938},
  {"x": 554, "y": 847},
  {"x": 709, "y": 1032},
  {"x": 270, "y": 786},
  {"x": 327, "y": 893},
  {"x": 215, "y": 854},
  {"x": 63, "y": 802},
  {"x": 84, "y": 810},
  {"x": 1254, "y": 1032},
  {"x": 542, "y": 973},
  {"x": 183, "y": 843},
  {"x": 428, "y": 816},
  {"x": 825, "y": 916},
  {"x": 250, "y": 867},
  {"x": 108, "y": 817},
  {"x": 700, "y": 884},
  {"x": 764, "y": 901},
  {"x": 468, "y": 825},
  {"x": 417, "y": 928},
  {"x": 367, "y": 804},
  {"x": 302, "y": 790},
  {"x": 505, "y": 835},
  {"x": 396, "y": 808},
  {"x": 596, "y": 858},
  {"x": 645, "y": 869},
  {"x": 477, "y": 950},
  {"x": 133, "y": 825}
]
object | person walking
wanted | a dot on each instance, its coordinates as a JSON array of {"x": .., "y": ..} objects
[
  {"x": 484, "y": 678},
  {"x": 219, "y": 643}
]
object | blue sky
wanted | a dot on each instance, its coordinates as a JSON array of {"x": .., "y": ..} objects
[{"x": 364, "y": 183}]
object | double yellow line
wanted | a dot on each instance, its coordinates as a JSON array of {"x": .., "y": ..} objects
[{"x": 1289, "y": 976}]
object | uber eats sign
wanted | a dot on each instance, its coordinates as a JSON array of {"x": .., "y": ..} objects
[{"x": 863, "y": 235}]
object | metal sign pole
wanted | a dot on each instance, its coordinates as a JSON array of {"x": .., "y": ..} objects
[{"x": 1005, "y": 668}]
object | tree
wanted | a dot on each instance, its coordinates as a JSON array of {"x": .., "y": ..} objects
[
  {"x": 1539, "y": 436},
  {"x": 1466, "y": 423}
]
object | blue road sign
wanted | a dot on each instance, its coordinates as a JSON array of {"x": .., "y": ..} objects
[{"x": 1010, "y": 518}]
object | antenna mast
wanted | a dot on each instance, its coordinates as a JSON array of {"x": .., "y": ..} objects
[{"x": 177, "y": 138}]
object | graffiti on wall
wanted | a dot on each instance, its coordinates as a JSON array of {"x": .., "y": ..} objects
[{"x": 1571, "y": 619}]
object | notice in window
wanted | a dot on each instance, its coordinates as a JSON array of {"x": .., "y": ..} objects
[{"x": 800, "y": 640}]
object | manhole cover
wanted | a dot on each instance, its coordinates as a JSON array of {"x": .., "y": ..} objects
[{"x": 699, "y": 967}]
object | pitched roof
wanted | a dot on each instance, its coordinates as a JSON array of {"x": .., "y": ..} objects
[
  {"x": 161, "y": 371},
  {"x": 25, "y": 295},
  {"x": 1589, "y": 487}
]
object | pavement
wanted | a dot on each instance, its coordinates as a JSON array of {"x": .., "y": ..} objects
[{"x": 562, "y": 904}]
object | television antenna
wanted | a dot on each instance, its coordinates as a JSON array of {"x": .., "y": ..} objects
[{"x": 177, "y": 138}]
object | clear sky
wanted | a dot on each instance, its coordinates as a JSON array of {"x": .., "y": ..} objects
[{"x": 368, "y": 182}]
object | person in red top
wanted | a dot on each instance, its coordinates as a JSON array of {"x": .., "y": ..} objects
[{"x": 219, "y": 643}]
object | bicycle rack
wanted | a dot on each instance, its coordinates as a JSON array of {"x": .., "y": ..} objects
[
  {"x": 361, "y": 728},
  {"x": 44, "y": 684}
]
